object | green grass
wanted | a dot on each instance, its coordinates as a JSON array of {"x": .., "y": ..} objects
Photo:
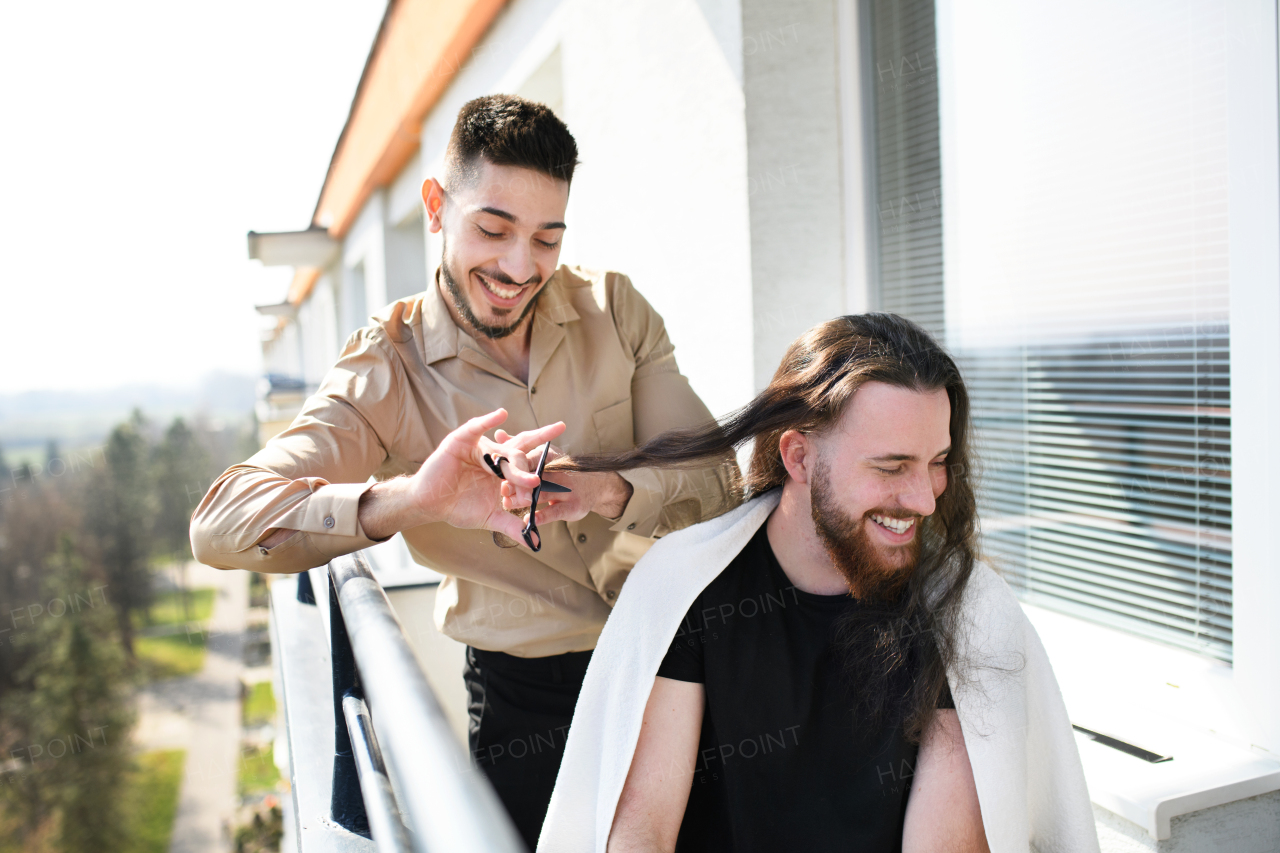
[
  {"x": 167, "y": 608},
  {"x": 259, "y": 706},
  {"x": 257, "y": 771},
  {"x": 169, "y": 657},
  {"x": 156, "y": 784}
]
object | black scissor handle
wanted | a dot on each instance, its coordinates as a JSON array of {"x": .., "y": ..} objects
[
  {"x": 547, "y": 485},
  {"x": 495, "y": 465}
]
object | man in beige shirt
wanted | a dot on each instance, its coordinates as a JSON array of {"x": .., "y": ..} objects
[{"x": 503, "y": 327}]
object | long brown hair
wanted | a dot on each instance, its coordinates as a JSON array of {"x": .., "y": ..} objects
[{"x": 896, "y": 653}]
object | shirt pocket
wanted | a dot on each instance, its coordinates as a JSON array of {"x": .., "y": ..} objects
[{"x": 614, "y": 427}]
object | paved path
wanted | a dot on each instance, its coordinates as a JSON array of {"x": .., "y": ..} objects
[{"x": 202, "y": 715}]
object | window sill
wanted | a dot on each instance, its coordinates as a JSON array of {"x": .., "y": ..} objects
[{"x": 1162, "y": 699}]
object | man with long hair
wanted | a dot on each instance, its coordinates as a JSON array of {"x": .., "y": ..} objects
[{"x": 828, "y": 667}]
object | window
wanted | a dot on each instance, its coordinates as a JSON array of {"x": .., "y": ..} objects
[
  {"x": 1053, "y": 203},
  {"x": 906, "y": 175}
]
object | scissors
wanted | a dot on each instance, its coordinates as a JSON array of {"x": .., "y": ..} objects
[{"x": 532, "y": 537}]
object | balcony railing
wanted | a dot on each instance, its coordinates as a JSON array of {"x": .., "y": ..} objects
[{"x": 396, "y": 777}]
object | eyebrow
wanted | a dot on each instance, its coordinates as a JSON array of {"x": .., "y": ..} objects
[
  {"x": 903, "y": 457},
  {"x": 502, "y": 214}
]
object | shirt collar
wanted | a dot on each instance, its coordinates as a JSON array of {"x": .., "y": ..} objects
[{"x": 443, "y": 338}]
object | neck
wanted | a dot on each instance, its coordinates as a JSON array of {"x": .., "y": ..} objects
[
  {"x": 511, "y": 352},
  {"x": 795, "y": 543}
]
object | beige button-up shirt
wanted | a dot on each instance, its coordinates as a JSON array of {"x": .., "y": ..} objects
[{"x": 600, "y": 361}]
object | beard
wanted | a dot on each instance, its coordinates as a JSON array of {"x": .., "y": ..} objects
[
  {"x": 873, "y": 572},
  {"x": 879, "y": 645},
  {"x": 461, "y": 303}
]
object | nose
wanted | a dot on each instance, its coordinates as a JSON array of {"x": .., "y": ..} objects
[
  {"x": 518, "y": 263},
  {"x": 917, "y": 494}
]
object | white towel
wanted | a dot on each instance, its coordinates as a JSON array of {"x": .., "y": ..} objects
[{"x": 1029, "y": 779}]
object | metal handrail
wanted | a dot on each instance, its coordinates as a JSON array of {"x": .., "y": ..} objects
[
  {"x": 450, "y": 806},
  {"x": 379, "y": 800}
]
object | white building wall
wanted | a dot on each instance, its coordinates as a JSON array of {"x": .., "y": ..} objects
[
  {"x": 364, "y": 257},
  {"x": 405, "y": 234},
  {"x": 724, "y": 209},
  {"x": 404, "y": 196},
  {"x": 282, "y": 354},
  {"x": 318, "y": 321},
  {"x": 651, "y": 91},
  {"x": 653, "y": 95},
  {"x": 790, "y": 65}
]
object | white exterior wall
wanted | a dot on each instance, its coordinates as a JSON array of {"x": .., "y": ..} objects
[
  {"x": 283, "y": 355},
  {"x": 651, "y": 91},
  {"x": 653, "y": 95},
  {"x": 790, "y": 69},
  {"x": 365, "y": 248},
  {"x": 725, "y": 211},
  {"x": 318, "y": 322}
]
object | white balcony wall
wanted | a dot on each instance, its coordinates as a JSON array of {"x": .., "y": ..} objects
[
  {"x": 652, "y": 92},
  {"x": 282, "y": 355},
  {"x": 364, "y": 266},
  {"x": 794, "y": 183},
  {"x": 709, "y": 138},
  {"x": 405, "y": 248},
  {"x": 404, "y": 196},
  {"x": 318, "y": 321}
]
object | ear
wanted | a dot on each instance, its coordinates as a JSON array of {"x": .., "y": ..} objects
[
  {"x": 799, "y": 455},
  {"x": 433, "y": 198}
]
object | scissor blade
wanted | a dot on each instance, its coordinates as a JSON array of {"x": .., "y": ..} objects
[{"x": 548, "y": 486}]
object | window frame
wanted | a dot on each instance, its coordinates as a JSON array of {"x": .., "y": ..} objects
[{"x": 1245, "y": 694}]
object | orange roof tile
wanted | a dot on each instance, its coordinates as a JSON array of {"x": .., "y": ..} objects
[{"x": 420, "y": 46}]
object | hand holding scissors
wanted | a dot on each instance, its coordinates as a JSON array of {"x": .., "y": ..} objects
[
  {"x": 606, "y": 494},
  {"x": 532, "y": 537}
]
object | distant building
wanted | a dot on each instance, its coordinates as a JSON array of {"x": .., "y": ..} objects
[{"x": 1081, "y": 199}]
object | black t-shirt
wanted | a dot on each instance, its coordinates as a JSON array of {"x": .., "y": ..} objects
[{"x": 780, "y": 766}]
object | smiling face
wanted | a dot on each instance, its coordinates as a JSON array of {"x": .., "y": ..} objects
[
  {"x": 502, "y": 235},
  {"x": 878, "y": 474}
]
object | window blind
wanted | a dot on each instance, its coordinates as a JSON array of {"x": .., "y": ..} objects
[
  {"x": 907, "y": 177},
  {"x": 1086, "y": 275}
]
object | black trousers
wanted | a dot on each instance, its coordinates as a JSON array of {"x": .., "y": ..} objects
[{"x": 520, "y": 710}]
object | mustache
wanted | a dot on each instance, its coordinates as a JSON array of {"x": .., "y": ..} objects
[
  {"x": 898, "y": 514},
  {"x": 502, "y": 278}
]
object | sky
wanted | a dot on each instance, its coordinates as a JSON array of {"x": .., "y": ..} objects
[{"x": 141, "y": 141}]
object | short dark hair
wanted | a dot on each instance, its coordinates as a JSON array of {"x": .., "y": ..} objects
[{"x": 508, "y": 130}]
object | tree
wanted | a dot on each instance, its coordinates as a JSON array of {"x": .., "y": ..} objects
[
  {"x": 70, "y": 725},
  {"x": 35, "y": 514},
  {"x": 119, "y": 514},
  {"x": 181, "y": 475},
  {"x": 6, "y": 482}
]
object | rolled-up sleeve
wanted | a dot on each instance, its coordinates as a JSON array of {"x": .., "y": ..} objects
[
  {"x": 308, "y": 478},
  {"x": 665, "y": 499}
]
